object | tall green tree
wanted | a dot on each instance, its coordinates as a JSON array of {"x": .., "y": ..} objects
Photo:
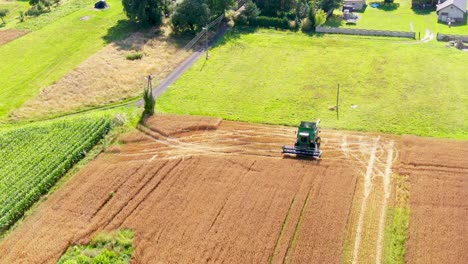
[
  {"x": 249, "y": 14},
  {"x": 311, "y": 13},
  {"x": 217, "y": 7},
  {"x": 275, "y": 7},
  {"x": 327, "y": 5},
  {"x": 145, "y": 12},
  {"x": 191, "y": 15},
  {"x": 302, "y": 9}
]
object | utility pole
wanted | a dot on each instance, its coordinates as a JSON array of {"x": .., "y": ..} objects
[
  {"x": 337, "y": 102},
  {"x": 206, "y": 41}
]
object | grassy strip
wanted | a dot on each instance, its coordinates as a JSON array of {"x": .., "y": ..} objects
[
  {"x": 387, "y": 85},
  {"x": 396, "y": 231},
  {"x": 125, "y": 105},
  {"x": 112, "y": 247},
  {"x": 40, "y": 58}
]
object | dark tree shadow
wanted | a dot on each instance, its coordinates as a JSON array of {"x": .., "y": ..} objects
[
  {"x": 334, "y": 21},
  {"x": 234, "y": 34},
  {"x": 387, "y": 6},
  {"x": 455, "y": 24},
  {"x": 362, "y": 10},
  {"x": 121, "y": 30},
  {"x": 423, "y": 12}
]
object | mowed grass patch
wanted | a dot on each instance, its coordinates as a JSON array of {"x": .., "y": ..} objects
[
  {"x": 14, "y": 7},
  {"x": 42, "y": 57},
  {"x": 399, "y": 16},
  {"x": 274, "y": 77}
]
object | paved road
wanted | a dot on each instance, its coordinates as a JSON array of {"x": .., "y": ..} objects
[{"x": 184, "y": 66}]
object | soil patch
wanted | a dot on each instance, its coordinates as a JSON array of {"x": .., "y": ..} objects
[
  {"x": 10, "y": 35},
  {"x": 438, "y": 171}
]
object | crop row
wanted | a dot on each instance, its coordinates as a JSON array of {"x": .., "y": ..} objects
[{"x": 34, "y": 157}]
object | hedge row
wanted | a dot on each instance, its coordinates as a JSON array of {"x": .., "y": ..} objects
[{"x": 263, "y": 21}]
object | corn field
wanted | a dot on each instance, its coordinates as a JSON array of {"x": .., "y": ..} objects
[{"x": 33, "y": 157}]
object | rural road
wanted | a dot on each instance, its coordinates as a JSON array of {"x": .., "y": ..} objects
[{"x": 184, "y": 66}]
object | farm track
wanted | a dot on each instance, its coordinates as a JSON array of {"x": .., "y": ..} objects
[{"x": 10, "y": 35}]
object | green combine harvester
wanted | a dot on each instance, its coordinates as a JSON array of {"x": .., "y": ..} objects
[{"x": 307, "y": 142}]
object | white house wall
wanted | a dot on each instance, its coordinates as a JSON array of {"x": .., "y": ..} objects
[{"x": 452, "y": 12}]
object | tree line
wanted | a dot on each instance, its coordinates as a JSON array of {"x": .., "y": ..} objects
[{"x": 193, "y": 15}]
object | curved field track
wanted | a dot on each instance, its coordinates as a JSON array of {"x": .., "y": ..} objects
[
  {"x": 438, "y": 171},
  {"x": 10, "y": 35},
  {"x": 197, "y": 189}
]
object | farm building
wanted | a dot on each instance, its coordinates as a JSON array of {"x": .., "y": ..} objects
[
  {"x": 451, "y": 10},
  {"x": 355, "y": 4}
]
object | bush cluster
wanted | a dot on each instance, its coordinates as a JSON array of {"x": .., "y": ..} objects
[
  {"x": 134, "y": 56},
  {"x": 263, "y": 21}
]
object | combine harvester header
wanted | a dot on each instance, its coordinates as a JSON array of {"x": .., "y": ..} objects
[{"x": 307, "y": 142}]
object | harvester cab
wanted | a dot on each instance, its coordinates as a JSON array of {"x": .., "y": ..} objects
[{"x": 307, "y": 142}]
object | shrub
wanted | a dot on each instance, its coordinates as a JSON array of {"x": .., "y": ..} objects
[
  {"x": 267, "y": 22},
  {"x": 149, "y": 101},
  {"x": 249, "y": 14},
  {"x": 306, "y": 25},
  {"x": 3, "y": 14},
  {"x": 134, "y": 56},
  {"x": 320, "y": 18},
  {"x": 21, "y": 16}
]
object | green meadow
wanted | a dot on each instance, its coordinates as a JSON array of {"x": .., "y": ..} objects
[{"x": 386, "y": 85}]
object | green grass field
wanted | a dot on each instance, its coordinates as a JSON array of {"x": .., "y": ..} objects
[
  {"x": 285, "y": 77},
  {"x": 59, "y": 43},
  {"x": 14, "y": 7},
  {"x": 398, "y": 17}
]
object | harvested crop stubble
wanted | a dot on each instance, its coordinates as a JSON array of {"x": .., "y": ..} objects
[
  {"x": 438, "y": 173},
  {"x": 199, "y": 199}
]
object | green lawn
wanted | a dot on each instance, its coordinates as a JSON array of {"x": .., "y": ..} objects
[
  {"x": 284, "y": 77},
  {"x": 399, "y": 17},
  {"x": 43, "y": 56},
  {"x": 14, "y": 8}
]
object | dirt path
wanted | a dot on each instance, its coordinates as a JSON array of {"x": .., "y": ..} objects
[
  {"x": 429, "y": 36},
  {"x": 374, "y": 157},
  {"x": 10, "y": 35}
]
